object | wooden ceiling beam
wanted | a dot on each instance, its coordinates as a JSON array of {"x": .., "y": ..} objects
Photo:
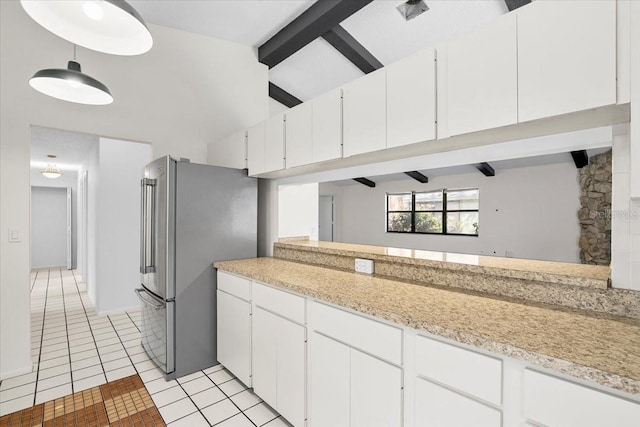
[
  {"x": 282, "y": 96},
  {"x": 351, "y": 49},
  {"x": 319, "y": 18}
]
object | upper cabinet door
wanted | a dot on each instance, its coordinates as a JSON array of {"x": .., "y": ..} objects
[
  {"x": 411, "y": 99},
  {"x": 298, "y": 135},
  {"x": 255, "y": 149},
  {"x": 481, "y": 78},
  {"x": 327, "y": 126},
  {"x": 274, "y": 143},
  {"x": 365, "y": 114},
  {"x": 566, "y": 57}
]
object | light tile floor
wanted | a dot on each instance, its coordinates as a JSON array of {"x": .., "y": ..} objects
[{"x": 73, "y": 349}]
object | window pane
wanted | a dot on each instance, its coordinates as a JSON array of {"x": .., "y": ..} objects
[
  {"x": 429, "y": 201},
  {"x": 463, "y": 199},
  {"x": 399, "y": 202},
  {"x": 462, "y": 222},
  {"x": 429, "y": 222},
  {"x": 399, "y": 222}
]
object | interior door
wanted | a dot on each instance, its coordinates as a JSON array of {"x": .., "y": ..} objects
[{"x": 325, "y": 219}]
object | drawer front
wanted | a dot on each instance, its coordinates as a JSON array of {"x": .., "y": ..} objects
[
  {"x": 280, "y": 302},
  {"x": 464, "y": 370},
  {"x": 234, "y": 285},
  {"x": 551, "y": 401},
  {"x": 440, "y": 407},
  {"x": 368, "y": 335}
]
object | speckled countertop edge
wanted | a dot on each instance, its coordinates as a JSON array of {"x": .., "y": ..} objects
[
  {"x": 546, "y": 271},
  {"x": 595, "y": 356}
]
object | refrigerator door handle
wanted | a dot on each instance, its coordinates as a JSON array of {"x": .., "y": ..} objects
[
  {"x": 148, "y": 226},
  {"x": 148, "y": 302}
]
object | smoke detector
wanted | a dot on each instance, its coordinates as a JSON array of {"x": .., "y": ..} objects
[{"x": 412, "y": 8}]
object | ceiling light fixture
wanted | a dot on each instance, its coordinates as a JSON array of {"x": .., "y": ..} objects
[
  {"x": 109, "y": 26},
  {"x": 412, "y": 8},
  {"x": 71, "y": 85},
  {"x": 51, "y": 171}
]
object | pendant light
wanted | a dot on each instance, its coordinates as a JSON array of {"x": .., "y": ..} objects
[
  {"x": 71, "y": 85},
  {"x": 51, "y": 171},
  {"x": 108, "y": 26}
]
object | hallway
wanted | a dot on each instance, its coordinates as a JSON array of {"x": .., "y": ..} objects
[{"x": 74, "y": 349}]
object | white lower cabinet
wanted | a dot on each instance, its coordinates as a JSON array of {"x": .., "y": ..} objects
[
  {"x": 351, "y": 388},
  {"x": 279, "y": 362},
  {"x": 438, "y": 406},
  {"x": 551, "y": 401},
  {"x": 355, "y": 370}
]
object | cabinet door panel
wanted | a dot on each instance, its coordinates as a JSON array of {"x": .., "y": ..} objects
[
  {"x": 439, "y": 407},
  {"x": 291, "y": 372},
  {"x": 411, "y": 99},
  {"x": 376, "y": 392},
  {"x": 298, "y": 135},
  {"x": 555, "y": 402},
  {"x": 264, "y": 355},
  {"x": 327, "y": 126},
  {"x": 255, "y": 149},
  {"x": 274, "y": 143},
  {"x": 234, "y": 335},
  {"x": 482, "y": 78},
  {"x": 328, "y": 382},
  {"x": 571, "y": 65},
  {"x": 365, "y": 114}
]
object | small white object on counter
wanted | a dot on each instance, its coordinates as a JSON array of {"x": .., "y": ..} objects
[{"x": 364, "y": 265}]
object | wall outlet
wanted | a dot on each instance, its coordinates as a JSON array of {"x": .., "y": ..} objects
[{"x": 364, "y": 266}]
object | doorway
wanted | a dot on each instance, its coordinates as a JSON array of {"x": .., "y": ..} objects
[
  {"x": 326, "y": 219},
  {"x": 51, "y": 227}
]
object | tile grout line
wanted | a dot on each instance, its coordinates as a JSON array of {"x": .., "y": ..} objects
[
  {"x": 66, "y": 326},
  {"x": 234, "y": 403},
  {"x": 93, "y": 337},
  {"x": 44, "y": 316}
]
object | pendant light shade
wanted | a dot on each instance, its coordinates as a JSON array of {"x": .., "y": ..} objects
[
  {"x": 109, "y": 26},
  {"x": 71, "y": 85}
]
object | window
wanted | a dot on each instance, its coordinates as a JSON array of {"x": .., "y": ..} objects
[{"x": 434, "y": 212}]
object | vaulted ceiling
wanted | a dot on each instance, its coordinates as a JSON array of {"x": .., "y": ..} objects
[{"x": 322, "y": 33}]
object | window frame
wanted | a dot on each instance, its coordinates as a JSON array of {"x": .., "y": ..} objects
[{"x": 444, "y": 211}]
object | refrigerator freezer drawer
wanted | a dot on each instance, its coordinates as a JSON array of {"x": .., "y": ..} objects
[{"x": 158, "y": 330}]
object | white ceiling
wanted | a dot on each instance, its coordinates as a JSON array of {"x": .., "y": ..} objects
[
  {"x": 318, "y": 68},
  {"x": 70, "y": 147},
  {"x": 249, "y": 22}
]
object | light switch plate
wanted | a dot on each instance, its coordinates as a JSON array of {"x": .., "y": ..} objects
[
  {"x": 14, "y": 235},
  {"x": 364, "y": 266}
]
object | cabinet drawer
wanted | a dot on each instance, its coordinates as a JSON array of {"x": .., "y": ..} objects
[
  {"x": 234, "y": 285},
  {"x": 555, "y": 402},
  {"x": 464, "y": 370},
  {"x": 368, "y": 335},
  {"x": 279, "y": 302}
]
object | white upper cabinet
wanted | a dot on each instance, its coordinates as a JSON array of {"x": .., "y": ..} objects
[
  {"x": 365, "y": 114},
  {"x": 274, "y": 143},
  {"x": 411, "y": 99},
  {"x": 566, "y": 57},
  {"x": 255, "y": 149},
  {"x": 299, "y": 135},
  {"x": 327, "y": 126},
  {"x": 478, "y": 78},
  {"x": 230, "y": 152}
]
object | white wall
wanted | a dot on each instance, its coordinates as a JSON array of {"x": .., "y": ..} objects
[
  {"x": 529, "y": 211},
  {"x": 267, "y": 216},
  {"x": 298, "y": 210},
  {"x": 188, "y": 91},
  {"x": 48, "y": 227},
  {"x": 117, "y": 260},
  {"x": 68, "y": 179}
]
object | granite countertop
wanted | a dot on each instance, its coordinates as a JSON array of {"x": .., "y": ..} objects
[
  {"x": 587, "y": 345},
  {"x": 593, "y": 276}
]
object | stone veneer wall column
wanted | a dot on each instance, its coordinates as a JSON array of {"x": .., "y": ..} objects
[{"x": 595, "y": 212}]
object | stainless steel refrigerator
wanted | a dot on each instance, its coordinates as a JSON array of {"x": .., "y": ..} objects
[{"x": 192, "y": 215}]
